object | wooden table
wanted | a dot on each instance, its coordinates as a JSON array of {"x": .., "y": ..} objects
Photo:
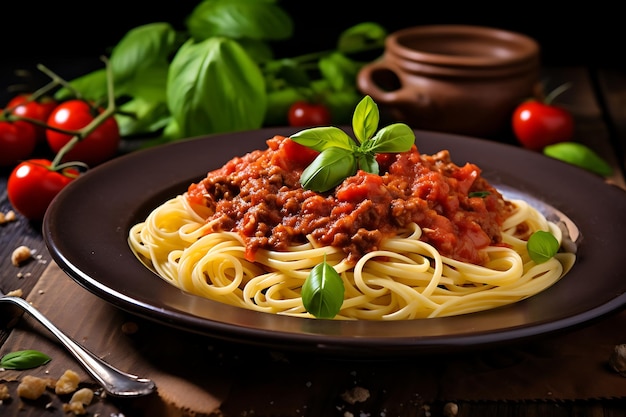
[{"x": 220, "y": 378}]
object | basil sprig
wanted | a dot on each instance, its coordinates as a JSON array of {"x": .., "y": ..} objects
[
  {"x": 542, "y": 246},
  {"x": 24, "y": 359},
  {"x": 340, "y": 156},
  {"x": 322, "y": 291}
]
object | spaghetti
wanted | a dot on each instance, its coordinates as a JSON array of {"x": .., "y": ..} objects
[{"x": 423, "y": 239}]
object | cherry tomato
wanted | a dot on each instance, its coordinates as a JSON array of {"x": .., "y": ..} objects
[
  {"x": 537, "y": 124},
  {"x": 99, "y": 146},
  {"x": 33, "y": 109},
  {"x": 33, "y": 184},
  {"x": 303, "y": 113},
  {"x": 297, "y": 154},
  {"x": 17, "y": 142}
]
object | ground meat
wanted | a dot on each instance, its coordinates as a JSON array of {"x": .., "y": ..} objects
[{"x": 259, "y": 196}]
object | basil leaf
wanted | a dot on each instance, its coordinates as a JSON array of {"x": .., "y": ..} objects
[
  {"x": 147, "y": 117},
  {"x": 580, "y": 155},
  {"x": 328, "y": 169},
  {"x": 367, "y": 162},
  {"x": 278, "y": 103},
  {"x": 397, "y": 137},
  {"x": 339, "y": 70},
  {"x": 542, "y": 246},
  {"x": 197, "y": 99},
  {"x": 321, "y": 138},
  {"x": 365, "y": 119},
  {"x": 481, "y": 194},
  {"x": 367, "y": 35},
  {"x": 142, "y": 48},
  {"x": 24, "y": 359},
  {"x": 238, "y": 19},
  {"x": 342, "y": 103},
  {"x": 91, "y": 86},
  {"x": 286, "y": 71},
  {"x": 260, "y": 51},
  {"x": 148, "y": 85},
  {"x": 323, "y": 291},
  {"x": 340, "y": 156}
]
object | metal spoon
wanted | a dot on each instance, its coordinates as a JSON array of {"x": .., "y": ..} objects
[{"x": 114, "y": 381}]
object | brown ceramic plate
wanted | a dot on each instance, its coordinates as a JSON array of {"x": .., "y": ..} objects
[{"x": 86, "y": 228}]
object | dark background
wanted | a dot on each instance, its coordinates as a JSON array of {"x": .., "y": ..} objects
[{"x": 70, "y": 36}]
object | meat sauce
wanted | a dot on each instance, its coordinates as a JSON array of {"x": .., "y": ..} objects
[{"x": 259, "y": 196}]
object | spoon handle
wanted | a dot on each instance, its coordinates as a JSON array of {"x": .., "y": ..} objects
[{"x": 114, "y": 381}]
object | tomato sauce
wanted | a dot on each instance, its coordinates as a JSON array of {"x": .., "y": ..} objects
[{"x": 259, "y": 196}]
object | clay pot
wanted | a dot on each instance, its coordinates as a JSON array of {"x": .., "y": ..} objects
[{"x": 453, "y": 78}]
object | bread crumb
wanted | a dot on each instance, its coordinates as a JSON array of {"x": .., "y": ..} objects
[
  {"x": 75, "y": 407},
  {"x": 355, "y": 395},
  {"x": 15, "y": 293},
  {"x": 79, "y": 400},
  {"x": 450, "y": 410},
  {"x": 4, "y": 392},
  {"x": 68, "y": 383},
  {"x": 32, "y": 387},
  {"x": 130, "y": 327},
  {"x": 7, "y": 217},
  {"x": 10, "y": 216},
  {"x": 84, "y": 395},
  {"x": 20, "y": 255}
]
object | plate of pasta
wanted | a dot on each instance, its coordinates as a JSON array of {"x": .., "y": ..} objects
[{"x": 167, "y": 234}]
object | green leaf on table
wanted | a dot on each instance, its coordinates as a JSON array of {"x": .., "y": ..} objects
[
  {"x": 580, "y": 155},
  {"x": 24, "y": 359},
  {"x": 323, "y": 291}
]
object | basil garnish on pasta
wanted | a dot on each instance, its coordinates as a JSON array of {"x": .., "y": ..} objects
[
  {"x": 340, "y": 156},
  {"x": 322, "y": 291},
  {"x": 542, "y": 246}
]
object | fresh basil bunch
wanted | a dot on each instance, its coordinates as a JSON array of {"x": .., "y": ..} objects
[
  {"x": 340, "y": 156},
  {"x": 220, "y": 75}
]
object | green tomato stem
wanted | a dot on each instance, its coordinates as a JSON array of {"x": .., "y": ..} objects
[
  {"x": 556, "y": 92},
  {"x": 81, "y": 134},
  {"x": 56, "y": 80}
]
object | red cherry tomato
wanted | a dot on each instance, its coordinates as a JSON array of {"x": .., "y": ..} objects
[
  {"x": 33, "y": 184},
  {"x": 33, "y": 109},
  {"x": 17, "y": 142},
  {"x": 99, "y": 146},
  {"x": 538, "y": 124},
  {"x": 303, "y": 113},
  {"x": 297, "y": 154}
]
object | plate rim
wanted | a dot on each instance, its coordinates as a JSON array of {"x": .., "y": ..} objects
[{"x": 327, "y": 336}]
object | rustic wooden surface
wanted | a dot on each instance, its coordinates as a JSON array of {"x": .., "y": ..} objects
[{"x": 597, "y": 99}]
